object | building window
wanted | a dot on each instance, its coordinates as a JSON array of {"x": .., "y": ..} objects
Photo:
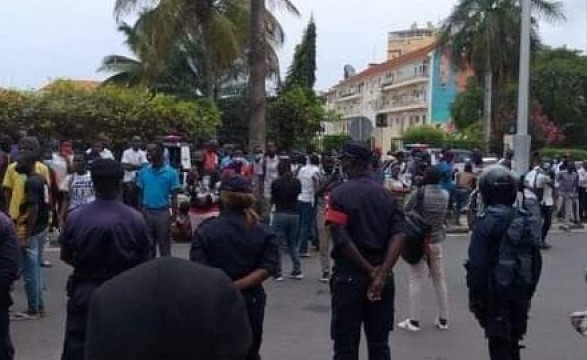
[
  {"x": 423, "y": 119},
  {"x": 381, "y": 120}
]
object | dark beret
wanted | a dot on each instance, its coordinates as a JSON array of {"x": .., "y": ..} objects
[
  {"x": 106, "y": 169},
  {"x": 356, "y": 151},
  {"x": 168, "y": 308},
  {"x": 236, "y": 183}
]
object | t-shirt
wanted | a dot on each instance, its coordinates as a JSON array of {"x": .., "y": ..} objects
[
  {"x": 157, "y": 185},
  {"x": 36, "y": 192},
  {"x": 270, "y": 173},
  {"x": 284, "y": 194},
  {"x": 80, "y": 190},
  {"x": 16, "y": 182},
  {"x": 104, "y": 154},
  {"x": 59, "y": 165},
  {"x": 307, "y": 175},
  {"x": 132, "y": 157}
]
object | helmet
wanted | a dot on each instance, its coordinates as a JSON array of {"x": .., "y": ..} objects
[{"x": 498, "y": 186}]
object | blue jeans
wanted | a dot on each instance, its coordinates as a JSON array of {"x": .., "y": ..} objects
[
  {"x": 286, "y": 227},
  {"x": 306, "y": 211},
  {"x": 31, "y": 272}
]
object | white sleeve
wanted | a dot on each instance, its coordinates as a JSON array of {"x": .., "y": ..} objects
[
  {"x": 125, "y": 159},
  {"x": 144, "y": 158}
]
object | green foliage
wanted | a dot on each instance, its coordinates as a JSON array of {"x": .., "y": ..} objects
[
  {"x": 76, "y": 113},
  {"x": 467, "y": 108},
  {"x": 575, "y": 154},
  {"x": 302, "y": 71},
  {"x": 294, "y": 118},
  {"x": 559, "y": 85},
  {"x": 424, "y": 135},
  {"x": 334, "y": 142}
]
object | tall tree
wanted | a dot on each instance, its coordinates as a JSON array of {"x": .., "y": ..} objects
[
  {"x": 258, "y": 70},
  {"x": 302, "y": 71},
  {"x": 485, "y": 34}
]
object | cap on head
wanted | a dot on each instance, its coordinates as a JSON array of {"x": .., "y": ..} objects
[
  {"x": 356, "y": 151},
  {"x": 106, "y": 169},
  {"x": 154, "y": 311},
  {"x": 238, "y": 184}
]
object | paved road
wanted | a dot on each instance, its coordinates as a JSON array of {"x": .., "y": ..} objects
[{"x": 297, "y": 323}]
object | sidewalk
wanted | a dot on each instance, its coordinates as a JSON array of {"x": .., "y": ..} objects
[{"x": 556, "y": 228}]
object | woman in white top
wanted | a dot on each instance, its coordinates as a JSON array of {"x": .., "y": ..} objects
[{"x": 80, "y": 188}]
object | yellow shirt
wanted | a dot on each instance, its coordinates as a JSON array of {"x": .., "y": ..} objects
[{"x": 16, "y": 181}]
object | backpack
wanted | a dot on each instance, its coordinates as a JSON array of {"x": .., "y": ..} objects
[
  {"x": 519, "y": 263},
  {"x": 416, "y": 231}
]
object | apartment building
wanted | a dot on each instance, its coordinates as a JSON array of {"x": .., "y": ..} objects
[
  {"x": 415, "y": 88},
  {"x": 405, "y": 41}
]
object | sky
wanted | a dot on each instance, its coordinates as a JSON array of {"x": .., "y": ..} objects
[{"x": 43, "y": 40}]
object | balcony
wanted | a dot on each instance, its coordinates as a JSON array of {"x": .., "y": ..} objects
[
  {"x": 348, "y": 95},
  {"x": 412, "y": 80},
  {"x": 399, "y": 106}
]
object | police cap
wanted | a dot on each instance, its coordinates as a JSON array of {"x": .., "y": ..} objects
[
  {"x": 106, "y": 169},
  {"x": 236, "y": 183},
  {"x": 353, "y": 150}
]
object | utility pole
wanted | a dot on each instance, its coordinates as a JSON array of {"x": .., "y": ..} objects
[{"x": 522, "y": 140}]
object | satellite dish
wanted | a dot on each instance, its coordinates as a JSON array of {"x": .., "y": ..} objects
[{"x": 349, "y": 71}]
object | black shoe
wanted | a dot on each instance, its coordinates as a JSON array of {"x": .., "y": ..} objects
[{"x": 545, "y": 246}]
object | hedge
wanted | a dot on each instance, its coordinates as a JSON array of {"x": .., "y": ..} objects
[
  {"x": 68, "y": 111},
  {"x": 575, "y": 154}
]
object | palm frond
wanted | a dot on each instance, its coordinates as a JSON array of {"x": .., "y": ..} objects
[{"x": 286, "y": 5}]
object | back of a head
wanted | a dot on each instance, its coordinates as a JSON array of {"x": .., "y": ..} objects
[
  {"x": 314, "y": 159},
  {"x": 432, "y": 176},
  {"x": 498, "y": 186},
  {"x": 284, "y": 167},
  {"x": 106, "y": 176},
  {"x": 168, "y": 308},
  {"x": 31, "y": 145}
]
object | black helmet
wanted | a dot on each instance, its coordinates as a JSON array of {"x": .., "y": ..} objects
[{"x": 498, "y": 186}]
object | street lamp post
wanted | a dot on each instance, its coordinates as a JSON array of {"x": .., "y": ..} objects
[{"x": 522, "y": 140}]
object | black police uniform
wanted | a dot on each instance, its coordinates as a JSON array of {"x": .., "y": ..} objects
[
  {"x": 371, "y": 218},
  {"x": 504, "y": 318},
  {"x": 226, "y": 243},
  {"x": 104, "y": 238},
  {"x": 9, "y": 261}
]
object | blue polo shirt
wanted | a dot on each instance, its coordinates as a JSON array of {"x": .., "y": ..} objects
[{"x": 157, "y": 185}]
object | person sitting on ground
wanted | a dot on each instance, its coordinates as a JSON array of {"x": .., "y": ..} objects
[{"x": 205, "y": 322}]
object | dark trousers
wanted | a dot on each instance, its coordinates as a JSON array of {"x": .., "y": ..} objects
[
  {"x": 503, "y": 349},
  {"x": 306, "y": 211},
  {"x": 255, "y": 300},
  {"x": 546, "y": 220},
  {"x": 351, "y": 309},
  {"x": 6, "y": 348},
  {"x": 159, "y": 222},
  {"x": 582, "y": 203},
  {"x": 78, "y": 304},
  {"x": 130, "y": 194}
]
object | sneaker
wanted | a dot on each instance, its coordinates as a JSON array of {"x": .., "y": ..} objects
[
  {"x": 306, "y": 255},
  {"x": 325, "y": 277},
  {"x": 441, "y": 324},
  {"x": 297, "y": 275},
  {"x": 409, "y": 325},
  {"x": 565, "y": 227},
  {"x": 278, "y": 278},
  {"x": 46, "y": 264},
  {"x": 19, "y": 316}
]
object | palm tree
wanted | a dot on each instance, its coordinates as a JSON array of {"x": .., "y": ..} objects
[
  {"x": 485, "y": 34},
  {"x": 258, "y": 69}
]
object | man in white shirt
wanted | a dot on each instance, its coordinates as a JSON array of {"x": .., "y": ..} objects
[
  {"x": 583, "y": 191},
  {"x": 132, "y": 160},
  {"x": 309, "y": 176},
  {"x": 99, "y": 151},
  {"x": 538, "y": 196}
]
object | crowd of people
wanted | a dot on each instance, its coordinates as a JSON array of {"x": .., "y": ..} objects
[{"x": 243, "y": 212}]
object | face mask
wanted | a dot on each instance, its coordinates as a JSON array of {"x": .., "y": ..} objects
[{"x": 239, "y": 159}]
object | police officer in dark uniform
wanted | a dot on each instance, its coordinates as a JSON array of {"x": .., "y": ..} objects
[
  {"x": 367, "y": 231},
  {"x": 245, "y": 250},
  {"x": 100, "y": 240},
  {"x": 503, "y": 316}
]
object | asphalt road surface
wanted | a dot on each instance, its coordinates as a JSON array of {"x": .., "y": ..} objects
[{"x": 298, "y": 312}]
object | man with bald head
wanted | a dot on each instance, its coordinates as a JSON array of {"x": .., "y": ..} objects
[{"x": 133, "y": 159}]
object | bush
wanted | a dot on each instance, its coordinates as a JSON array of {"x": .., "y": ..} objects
[
  {"x": 68, "y": 111},
  {"x": 334, "y": 142},
  {"x": 424, "y": 135},
  {"x": 575, "y": 154}
]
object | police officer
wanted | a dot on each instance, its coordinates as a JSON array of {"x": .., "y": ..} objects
[
  {"x": 367, "y": 232},
  {"x": 504, "y": 318},
  {"x": 9, "y": 253},
  {"x": 99, "y": 240},
  {"x": 246, "y": 251}
]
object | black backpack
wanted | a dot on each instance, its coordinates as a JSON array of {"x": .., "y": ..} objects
[
  {"x": 416, "y": 229},
  {"x": 519, "y": 263}
]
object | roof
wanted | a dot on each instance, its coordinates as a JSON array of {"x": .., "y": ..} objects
[
  {"x": 390, "y": 64},
  {"x": 84, "y": 84}
]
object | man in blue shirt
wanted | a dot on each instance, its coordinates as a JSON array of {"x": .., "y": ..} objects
[{"x": 159, "y": 185}]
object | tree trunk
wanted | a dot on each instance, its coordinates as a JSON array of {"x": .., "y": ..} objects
[
  {"x": 487, "y": 108},
  {"x": 258, "y": 71}
]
